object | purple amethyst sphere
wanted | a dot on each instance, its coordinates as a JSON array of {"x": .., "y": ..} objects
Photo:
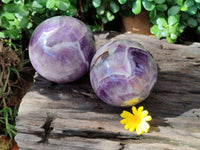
[
  {"x": 61, "y": 49},
  {"x": 123, "y": 73}
]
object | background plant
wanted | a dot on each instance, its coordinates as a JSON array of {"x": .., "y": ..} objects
[
  {"x": 169, "y": 17},
  {"x": 9, "y": 68},
  {"x": 18, "y": 16}
]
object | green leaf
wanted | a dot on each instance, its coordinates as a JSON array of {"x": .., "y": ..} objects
[
  {"x": 181, "y": 27},
  {"x": 161, "y": 21},
  {"x": 4, "y": 22},
  {"x": 197, "y": 1},
  {"x": 184, "y": 8},
  {"x": 35, "y": 10},
  {"x": 149, "y": 6},
  {"x": 114, "y": 7},
  {"x": 23, "y": 11},
  {"x": 14, "y": 34},
  {"x": 192, "y": 10},
  {"x": 6, "y": 1},
  {"x": 37, "y": 19},
  {"x": 11, "y": 8},
  {"x": 9, "y": 16},
  {"x": 94, "y": 28},
  {"x": 169, "y": 40},
  {"x": 192, "y": 22},
  {"x": 160, "y": 27},
  {"x": 96, "y": 3},
  {"x": 35, "y": 4},
  {"x": 18, "y": 74},
  {"x": 198, "y": 5},
  {"x": 197, "y": 30},
  {"x": 159, "y": 34},
  {"x": 63, "y": 5},
  {"x": 188, "y": 3},
  {"x": 2, "y": 34},
  {"x": 24, "y": 22},
  {"x": 174, "y": 10},
  {"x": 162, "y": 7},
  {"x": 42, "y": 2},
  {"x": 173, "y": 36},
  {"x": 122, "y": 1},
  {"x": 50, "y": 3},
  {"x": 100, "y": 10},
  {"x": 71, "y": 11},
  {"x": 110, "y": 16},
  {"x": 136, "y": 7},
  {"x": 165, "y": 33},
  {"x": 172, "y": 29},
  {"x": 185, "y": 16},
  {"x": 14, "y": 24},
  {"x": 154, "y": 29},
  {"x": 104, "y": 20},
  {"x": 1, "y": 119},
  {"x": 152, "y": 14},
  {"x": 159, "y": 1},
  {"x": 179, "y": 2},
  {"x": 173, "y": 20}
]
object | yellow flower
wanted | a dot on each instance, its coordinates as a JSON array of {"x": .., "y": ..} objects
[{"x": 136, "y": 121}]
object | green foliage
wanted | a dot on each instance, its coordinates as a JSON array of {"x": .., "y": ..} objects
[
  {"x": 169, "y": 17},
  {"x": 19, "y": 17},
  {"x": 172, "y": 17},
  {"x": 7, "y": 115},
  {"x": 122, "y": 1},
  {"x": 96, "y": 3},
  {"x": 137, "y": 7},
  {"x": 7, "y": 118}
]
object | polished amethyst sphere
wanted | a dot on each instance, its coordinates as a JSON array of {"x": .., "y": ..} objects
[
  {"x": 123, "y": 73},
  {"x": 61, "y": 49}
]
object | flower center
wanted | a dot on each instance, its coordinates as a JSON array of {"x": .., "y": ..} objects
[{"x": 137, "y": 119}]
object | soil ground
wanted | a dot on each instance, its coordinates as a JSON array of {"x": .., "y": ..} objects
[{"x": 4, "y": 144}]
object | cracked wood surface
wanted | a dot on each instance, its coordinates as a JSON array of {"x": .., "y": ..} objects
[{"x": 71, "y": 117}]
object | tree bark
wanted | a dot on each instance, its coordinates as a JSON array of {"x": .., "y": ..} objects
[{"x": 71, "y": 117}]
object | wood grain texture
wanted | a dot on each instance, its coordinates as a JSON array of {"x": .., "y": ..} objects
[{"x": 71, "y": 117}]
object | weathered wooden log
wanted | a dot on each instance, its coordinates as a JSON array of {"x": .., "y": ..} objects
[{"x": 71, "y": 117}]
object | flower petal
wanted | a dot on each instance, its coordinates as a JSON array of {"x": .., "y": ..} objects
[
  {"x": 148, "y": 118},
  {"x": 140, "y": 109},
  {"x": 134, "y": 110},
  {"x": 144, "y": 126},
  {"x": 126, "y": 114},
  {"x": 144, "y": 113},
  {"x": 132, "y": 128},
  {"x": 125, "y": 121},
  {"x": 127, "y": 126},
  {"x": 139, "y": 130}
]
